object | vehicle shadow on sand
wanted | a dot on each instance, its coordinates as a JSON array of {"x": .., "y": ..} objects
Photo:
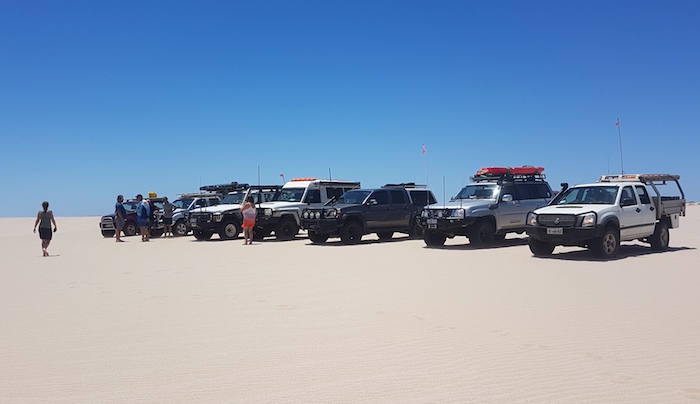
[
  {"x": 509, "y": 242},
  {"x": 625, "y": 251},
  {"x": 336, "y": 242}
]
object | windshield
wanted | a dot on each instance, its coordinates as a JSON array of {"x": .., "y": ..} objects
[
  {"x": 233, "y": 198},
  {"x": 478, "y": 191},
  {"x": 183, "y": 203},
  {"x": 290, "y": 194},
  {"x": 130, "y": 206},
  {"x": 599, "y": 195},
  {"x": 354, "y": 197}
]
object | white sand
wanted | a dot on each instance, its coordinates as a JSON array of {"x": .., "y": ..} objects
[{"x": 180, "y": 321}]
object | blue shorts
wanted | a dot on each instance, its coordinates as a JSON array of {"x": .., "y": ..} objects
[
  {"x": 142, "y": 223},
  {"x": 119, "y": 223}
]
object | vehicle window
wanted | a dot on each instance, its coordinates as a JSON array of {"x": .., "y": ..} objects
[
  {"x": 422, "y": 197},
  {"x": 627, "y": 193},
  {"x": 398, "y": 197},
  {"x": 543, "y": 191},
  {"x": 233, "y": 198},
  {"x": 291, "y": 194},
  {"x": 512, "y": 190},
  {"x": 213, "y": 201},
  {"x": 526, "y": 191},
  {"x": 354, "y": 197},
  {"x": 604, "y": 195},
  {"x": 381, "y": 197},
  {"x": 478, "y": 191},
  {"x": 183, "y": 203},
  {"x": 643, "y": 195},
  {"x": 334, "y": 192},
  {"x": 313, "y": 196}
]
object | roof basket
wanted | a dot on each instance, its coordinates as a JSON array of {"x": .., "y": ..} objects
[
  {"x": 404, "y": 185},
  {"x": 509, "y": 177},
  {"x": 224, "y": 188},
  {"x": 646, "y": 178}
]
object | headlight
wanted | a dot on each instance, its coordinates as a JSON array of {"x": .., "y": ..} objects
[
  {"x": 217, "y": 217},
  {"x": 331, "y": 213},
  {"x": 305, "y": 215},
  {"x": 317, "y": 215},
  {"x": 424, "y": 213},
  {"x": 531, "y": 219},
  {"x": 457, "y": 214},
  {"x": 589, "y": 220},
  {"x": 268, "y": 212}
]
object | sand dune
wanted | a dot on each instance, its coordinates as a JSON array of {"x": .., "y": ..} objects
[{"x": 180, "y": 321}]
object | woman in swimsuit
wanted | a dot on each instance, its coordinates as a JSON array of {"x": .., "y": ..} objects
[{"x": 44, "y": 219}]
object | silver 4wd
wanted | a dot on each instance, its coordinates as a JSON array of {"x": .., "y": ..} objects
[
  {"x": 600, "y": 215},
  {"x": 283, "y": 215},
  {"x": 225, "y": 218},
  {"x": 486, "y": 209},
  {"x": 187, "y": 202}
]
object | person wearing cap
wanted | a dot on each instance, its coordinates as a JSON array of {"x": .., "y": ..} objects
[{"x": 143, "y": 216}]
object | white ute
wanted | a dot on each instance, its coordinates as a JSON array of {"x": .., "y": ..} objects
[{"x": 600, "y": 215}]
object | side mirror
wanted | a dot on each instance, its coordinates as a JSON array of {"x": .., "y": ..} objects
[
  {"x": 627, "y": 202},
  {"x": 507, "y": 198},
  {"x": 372, "y": 202}
]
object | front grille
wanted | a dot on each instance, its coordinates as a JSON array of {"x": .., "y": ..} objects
[
  {"x": 200, "y": 217},
  {"x": 557, "y": 220},
  {"x": 440, "y": 213}
]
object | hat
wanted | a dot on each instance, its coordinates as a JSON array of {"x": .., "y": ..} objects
[{"x": 139, "y": 196}]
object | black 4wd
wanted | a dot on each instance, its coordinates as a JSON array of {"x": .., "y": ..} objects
[{"x": 391, "y": 209}]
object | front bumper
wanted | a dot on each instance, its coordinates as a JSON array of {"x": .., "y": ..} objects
[
  {"x": 447, "y": 225},
  {"x": 321, "y": 226},
  {"x": 573, "y": 236}
]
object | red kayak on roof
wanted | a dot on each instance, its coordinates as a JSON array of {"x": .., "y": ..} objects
[{"x": 496, "y": 171}]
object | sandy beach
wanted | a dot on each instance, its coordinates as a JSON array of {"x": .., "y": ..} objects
[{"x": 180, "y": 321}]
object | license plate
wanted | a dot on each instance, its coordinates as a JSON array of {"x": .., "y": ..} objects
[
  {"x": 431, "y": 221},
  {"x": 555, "y": 230}
]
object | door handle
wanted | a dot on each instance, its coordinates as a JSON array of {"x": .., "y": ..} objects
[
  {"x": 638, "y": 210},
  {"x": 651, "y": 208}
]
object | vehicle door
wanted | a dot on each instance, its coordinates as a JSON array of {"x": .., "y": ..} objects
[
  {"x": 532, "y": 196},
  {"x": 648, "y": 210},
  {"x": 377, "y": 208},
  {"x": 509, "y": 213},
  {"x": 400, "y": 214},
  {"x": 631, "y": 217}
]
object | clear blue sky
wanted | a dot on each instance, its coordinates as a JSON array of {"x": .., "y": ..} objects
[{"x": 101, "y": 98}]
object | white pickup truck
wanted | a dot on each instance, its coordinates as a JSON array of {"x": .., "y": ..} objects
[{"x": 600, "y": 215}]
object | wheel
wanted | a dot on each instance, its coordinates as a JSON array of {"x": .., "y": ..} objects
[
  {"x": 155, "y": 233},
  {"x": 416, "y": 231},
  {"x": 385, "y": 235},
  {"x": 317, "y": 238},
  {"x": 180, "y": 228},
  {"x": 108, "y": 233},
  {"x": 433, "y": 238},
  {"x": 200, "y": 234},
  {"x": 229, "y": 231},
  {"x": 286, "y": 229},
  {"x": 130, "y": 228},
  {"x": 661, "y": 237},
  {"x": 351, "y": 233},
  {"x": 481, "y": 233},
  {"x": 540, "y": 248},
  {"x": 607, "y": 245}
]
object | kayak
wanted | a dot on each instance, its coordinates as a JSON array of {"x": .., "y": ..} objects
[{"x": 496, "y": 171}]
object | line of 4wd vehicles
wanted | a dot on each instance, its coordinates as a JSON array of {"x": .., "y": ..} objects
[{"x": 497, "y": 201}]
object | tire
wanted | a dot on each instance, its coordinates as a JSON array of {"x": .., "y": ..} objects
[
  {"x": 481, "y": 233},
  {"x": 108, "y": 233},
  {"x": 661, "y": 237},
  {"x": 201, "y": 235},
  {"x": 416, "y": 231},
  {"x": 317, "y": 238},
  {"x": 229, "y": 230},
  {"x": 180, "y": 228},
  {"x": 351, "y": 233},
  {"x": 286, "y": 229},
  {"x": 540, "y": 248},
  {"x": 607, "y": 245},
  {"x": 385, "y": 235},
  {"x": 433, "y": 238},
  {"x": 130, "y": 228}
]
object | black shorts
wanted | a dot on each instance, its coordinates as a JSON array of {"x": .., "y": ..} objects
[
  {"x": 167, "y": 221},
  {"x": 45, "y": 234}
]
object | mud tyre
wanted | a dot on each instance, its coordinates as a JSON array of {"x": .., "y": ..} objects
[
  {"x": 317, "y": 238},
  {"x": 180, "y": 228},
  {"x": 351, "y": 233},
  {"x": 540, "y": 248},
  {"x": 433, "y": 238},
  {"x": 607, "y": 245},
  {"x": 130, "y": 228},
  {"x": 286, "y": 229},
  {"x": 201, "y": 235},
  {"x": 229, "y": 231},
  {"x": 660, "y": 239},
  {"x": 385, "y": 235},
  {"x": 481, "y": 233}
]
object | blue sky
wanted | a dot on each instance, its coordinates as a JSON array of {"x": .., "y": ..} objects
[{"x": 102, "y": 98}]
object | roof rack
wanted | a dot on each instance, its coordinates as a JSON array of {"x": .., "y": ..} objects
[
  {"x": 405, "y": 185},
  {"x": 645, "y": 178},
  {"x": 224, "y": 188},
  {"x": 508, "y": 177}
]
